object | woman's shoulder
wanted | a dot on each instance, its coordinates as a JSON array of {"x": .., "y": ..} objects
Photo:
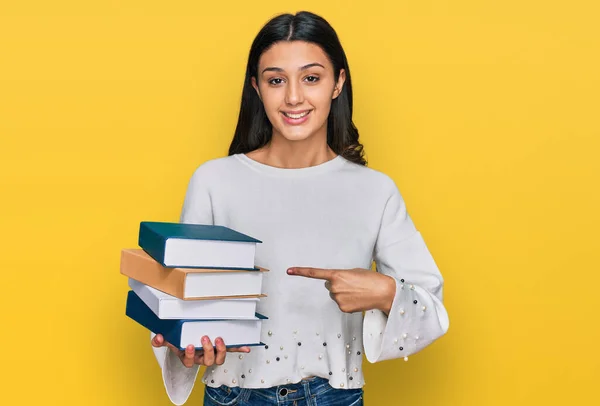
[
  {"x": 209, "y": 172},
  {"x": 369, "y": 176},
  {"x": 214, "y": 166}
]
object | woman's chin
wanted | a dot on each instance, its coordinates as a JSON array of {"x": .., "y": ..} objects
[{"x": 296, "y": 136}]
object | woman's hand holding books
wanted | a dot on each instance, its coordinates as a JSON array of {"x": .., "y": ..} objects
[{"x": 207, "y": 356}]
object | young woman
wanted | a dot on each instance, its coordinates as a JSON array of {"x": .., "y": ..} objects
[{"x": 296, "y": 179}]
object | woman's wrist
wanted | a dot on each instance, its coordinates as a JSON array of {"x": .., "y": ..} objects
[{"x": 389, "y": 293}]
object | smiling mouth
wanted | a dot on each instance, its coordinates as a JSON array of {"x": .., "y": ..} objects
[{"x": 296, "y": 116}]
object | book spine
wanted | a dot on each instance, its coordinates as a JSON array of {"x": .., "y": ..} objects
[
  {"x": 151, "y": 273},
  {"x": 153, "y": 243},
  {"x": 144, "y": 293},
  {"x": 137, "y": 310},
  {"x": 180, "y": 278}
]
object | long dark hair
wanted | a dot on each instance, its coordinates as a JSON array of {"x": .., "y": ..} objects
[{"x": 254, "y": 130}]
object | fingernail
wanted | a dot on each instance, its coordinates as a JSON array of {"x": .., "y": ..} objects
[
  {"x": 204, "y": 339},
  {"x": 190, "y": 348},
  {"x": 290, "y": 271}
]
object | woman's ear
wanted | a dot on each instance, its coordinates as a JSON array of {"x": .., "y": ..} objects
[
  {"x": 255, "y": 86},
  {"x": 340, "y": 84}
]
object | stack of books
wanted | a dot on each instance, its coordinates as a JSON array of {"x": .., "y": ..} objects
[{"x": 192, "y": 280}]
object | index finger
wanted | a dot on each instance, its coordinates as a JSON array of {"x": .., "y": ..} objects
[{"x": 315, "y": 273}]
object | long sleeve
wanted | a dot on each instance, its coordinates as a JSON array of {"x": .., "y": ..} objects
[
  {"x": 417, "y": 317},
  {"x": 178, "y": 379}
]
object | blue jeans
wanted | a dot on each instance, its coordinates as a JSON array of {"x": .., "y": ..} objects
[{"x": 308, "y": 392}]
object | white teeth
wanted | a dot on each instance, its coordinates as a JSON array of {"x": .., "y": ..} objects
[{"x": 296, "y": 116}]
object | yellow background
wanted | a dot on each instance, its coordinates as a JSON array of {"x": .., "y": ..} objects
[{"x": 485, "y": 114}]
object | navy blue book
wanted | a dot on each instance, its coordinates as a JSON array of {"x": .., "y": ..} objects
[
  {"x": 183, "y": 332},
  {"x": 181, "y": 245}
]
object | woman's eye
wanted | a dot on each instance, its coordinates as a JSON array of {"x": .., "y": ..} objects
[
  {"x": 312, "y": 79},
  {"x": 275, "y": 81}
]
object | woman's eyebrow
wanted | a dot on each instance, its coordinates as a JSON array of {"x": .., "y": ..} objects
[{"x": 276, "y": 69}]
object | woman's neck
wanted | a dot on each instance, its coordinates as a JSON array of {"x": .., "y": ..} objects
[{"x": 292, "y": 154}]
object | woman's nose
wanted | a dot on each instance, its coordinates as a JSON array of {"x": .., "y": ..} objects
[{"x": 294, "y": 94}]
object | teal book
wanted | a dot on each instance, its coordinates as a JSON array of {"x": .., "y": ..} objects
[
  {"x": 183, "y": 332},
  {"x": 184, "y": 245}
]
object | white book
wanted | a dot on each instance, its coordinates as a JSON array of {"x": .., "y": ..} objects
[
  {"x": 166, "y": 306},
  {"x": 235, "y": 333},
  {"x": 181, "y": 252},
  {"x": 208, "y": 284}
]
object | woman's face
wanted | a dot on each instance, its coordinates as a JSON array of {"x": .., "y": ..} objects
[{"x": 296, "y": 85}]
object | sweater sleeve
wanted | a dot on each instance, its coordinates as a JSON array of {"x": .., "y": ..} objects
[
  {"x": 178, "y": 379},
  {"x": 417, "y": 317}
]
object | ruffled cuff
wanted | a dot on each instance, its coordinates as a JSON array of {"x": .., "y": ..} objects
[
  {"x": 416, "y": 319},
  {"x": 177, "y": 378}
]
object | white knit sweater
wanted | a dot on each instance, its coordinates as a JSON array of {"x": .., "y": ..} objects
[{"x": 336, "y": 215}]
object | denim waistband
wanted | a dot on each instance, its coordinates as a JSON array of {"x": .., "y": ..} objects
[{"x": 306, "y": 388}]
